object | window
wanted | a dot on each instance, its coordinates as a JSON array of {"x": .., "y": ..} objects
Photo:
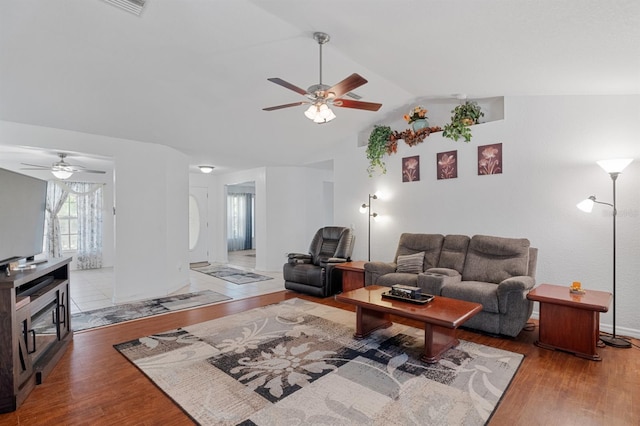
[{"x": 68, "y": 217}]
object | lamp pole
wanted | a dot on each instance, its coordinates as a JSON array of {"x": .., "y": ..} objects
[
  {"x": 369, "y": 216},
  {"x": 613, "y": 340}
]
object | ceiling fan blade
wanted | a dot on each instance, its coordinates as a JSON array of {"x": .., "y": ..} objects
[
  {"x": 90, "y": 171},
  {"x": 273, "y": 108},
  {"x": 39, "y": 167},
  {"x": 288, "y": 85},
  {"x": 347, "y": 103},
  {"x": 348, "y": 84}
]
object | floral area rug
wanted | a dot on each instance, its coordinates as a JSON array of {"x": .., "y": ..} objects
[
  {"x": 233, "y": 275},
  {"x": 130, "y": 311},
  {"x": 296, "y": 362}
]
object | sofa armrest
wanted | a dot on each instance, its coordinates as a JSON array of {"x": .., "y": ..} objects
[
  {"x": 434, "y": 279},
  {"x": 332, "y": 261},
  {"x": 517, "y": 287},
  {"x": 299, "y": 258},
  {"x": 374, "y": 270}
]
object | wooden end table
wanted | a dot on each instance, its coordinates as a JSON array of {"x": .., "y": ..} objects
[
  {"x": 352, "y": 274},
  {"x": 441, "y": 317},
  {"x": 568, "y": 321}
]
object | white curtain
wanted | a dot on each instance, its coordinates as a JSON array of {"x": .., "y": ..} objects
[
  {"x": 239, "y": 222},
  {"x": 56, "y": 196},
  {"x": 89, "y": 202}
]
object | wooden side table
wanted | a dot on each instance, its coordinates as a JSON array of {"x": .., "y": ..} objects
[
  {"x": 352, "y": 274},
  {"x": 568, "y": 321}
]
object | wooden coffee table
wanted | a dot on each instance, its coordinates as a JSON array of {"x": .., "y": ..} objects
[
  {"x": 570, "y": 322},
  {"x": 441, "y": 317}
]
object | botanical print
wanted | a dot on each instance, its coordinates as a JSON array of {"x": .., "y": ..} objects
[
  {"x": 411, "y": 169},
  {"x": 447, "y": 164},
  {"x": 490, "y": 159}
]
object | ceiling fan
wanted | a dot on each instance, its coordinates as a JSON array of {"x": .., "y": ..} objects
[
  {"x": 61, "y": 169},
  {"x": 320, "y": 96}
]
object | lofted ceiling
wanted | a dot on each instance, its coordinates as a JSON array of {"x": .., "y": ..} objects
[{"x": 193, "y": 74}]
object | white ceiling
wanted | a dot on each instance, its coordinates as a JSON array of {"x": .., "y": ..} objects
[{"x": 193, "y": 74}]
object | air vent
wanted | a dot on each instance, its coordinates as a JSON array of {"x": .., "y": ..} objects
[{"x": 133, "y": 6}]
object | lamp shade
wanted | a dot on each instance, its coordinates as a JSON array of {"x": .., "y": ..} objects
[
  {"x": 319, "y": 113},
  {"x": 586, "y": 205},
  {"x": 616, "y": 165},
  {"x": 206, "y": 169}
]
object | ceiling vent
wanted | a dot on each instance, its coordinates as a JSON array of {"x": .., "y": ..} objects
[{"x": 133, "y": 6}]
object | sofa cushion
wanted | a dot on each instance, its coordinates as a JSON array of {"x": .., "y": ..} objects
[
  {"x": 494, "y": 259},
  {"x": 474, "y": 291},
  {"x": 454, "y": 251},
  {"x": 430, "y": 244},
  {"x": 410, "y": 263},
  {"x": 398, "y": 278}
]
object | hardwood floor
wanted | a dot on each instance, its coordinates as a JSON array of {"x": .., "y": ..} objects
[{"x": 94, "y": 385}]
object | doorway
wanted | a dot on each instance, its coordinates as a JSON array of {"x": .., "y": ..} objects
[
  {"x": 241, "y": 224},
  {"x": 198, "y": 225}
]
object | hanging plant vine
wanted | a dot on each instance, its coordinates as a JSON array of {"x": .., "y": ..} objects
[{"x": 380, "y": 143}]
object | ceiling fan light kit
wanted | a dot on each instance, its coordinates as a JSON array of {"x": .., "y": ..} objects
[
  {"x": 61, "y": 169},
  {"x": 320, "y": 113},
  {"x": 62, "y": 174},
  {"x": 322, "y": 96}
]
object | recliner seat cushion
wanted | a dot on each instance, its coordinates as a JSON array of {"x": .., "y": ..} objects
[
  {"x": 474, "y": 291},
  {"x": 494, "y": 259},
  {"x": 398, "y": 278}
]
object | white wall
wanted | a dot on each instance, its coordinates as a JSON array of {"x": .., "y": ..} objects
[
  {"x": 550, "y": 145},
  {"x": 151, "y": 227},
  {"x": 290, "y": 207}
]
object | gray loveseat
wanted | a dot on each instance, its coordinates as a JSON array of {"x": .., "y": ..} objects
[{"x": 496, "y": 272}]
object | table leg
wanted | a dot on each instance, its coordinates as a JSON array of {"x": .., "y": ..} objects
[
  {"x": 437, "y": 340},
  {"x": 367, "y": 321}
]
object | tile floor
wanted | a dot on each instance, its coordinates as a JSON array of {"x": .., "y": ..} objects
[{"x": 93, "y": 289}]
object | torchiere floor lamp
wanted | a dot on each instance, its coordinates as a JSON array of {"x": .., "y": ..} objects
[
  {"x": 366, "y": 208},
  {"x": 614, "y": 168}
]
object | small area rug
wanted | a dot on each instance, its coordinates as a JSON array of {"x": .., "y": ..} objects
[
  {"x": 233, "y": 275},
  {"x": 130, "y": 311},
  {"x": 296, "y": 362}
]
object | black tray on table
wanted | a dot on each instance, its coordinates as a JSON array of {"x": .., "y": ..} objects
[{"x": 424, "y": 298}]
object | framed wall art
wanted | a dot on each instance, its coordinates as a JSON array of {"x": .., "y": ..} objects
[
  {"x": 411, "y": 169},
  {"x": 490, "y": 159},
  {"x": 447, "y": 165}
]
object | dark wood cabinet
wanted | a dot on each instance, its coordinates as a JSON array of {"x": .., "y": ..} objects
[
  {"x": 570, "y": 322},
  {"x": 352, "y": 274},
  {"x": 36, "y": 327}
]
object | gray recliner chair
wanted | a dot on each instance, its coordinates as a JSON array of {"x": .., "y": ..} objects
[{"x": 312, "y": 273}]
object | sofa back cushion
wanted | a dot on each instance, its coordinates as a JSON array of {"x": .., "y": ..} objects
[
  {"x": 331, "y": 241},
  {"x": 454, "y": 251},
  {"x": 430, "y": 244},
  {"x": 494, "y": 259}
]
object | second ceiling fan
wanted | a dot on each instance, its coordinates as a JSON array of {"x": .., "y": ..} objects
[{"x": 320, "y": 96}]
